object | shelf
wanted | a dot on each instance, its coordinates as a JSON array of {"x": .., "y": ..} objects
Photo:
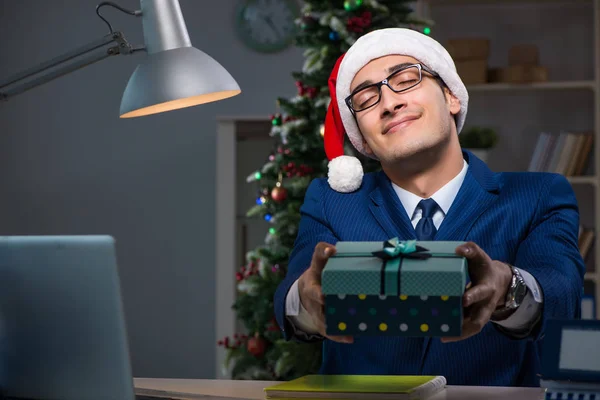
[
  {"x": 586, "y": 180},
  {"x": 591, "y": 276},
  {"x": 491, "y": 87}
]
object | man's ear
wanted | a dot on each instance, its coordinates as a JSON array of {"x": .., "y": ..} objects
[{"x": 453, "y": 102}]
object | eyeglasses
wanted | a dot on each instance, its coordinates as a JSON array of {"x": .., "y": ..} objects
[{"x": 401, "y": 80}]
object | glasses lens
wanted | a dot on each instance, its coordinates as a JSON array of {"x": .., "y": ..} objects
[
  {"x": 365, "y": 98},
  {"x": 405, "y": 79},
  {"x": 400, "y": 81}
]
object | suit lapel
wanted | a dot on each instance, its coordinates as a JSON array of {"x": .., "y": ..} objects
[
  {"x": 477, "y": 193},
  {"x": 471, "y": 201},
  {"x": 388, "y": 210}
]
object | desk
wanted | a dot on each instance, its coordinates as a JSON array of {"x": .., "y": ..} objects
[{"x": 254, "y": 389}]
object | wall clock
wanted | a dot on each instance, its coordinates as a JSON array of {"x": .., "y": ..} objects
[{"x": 266, "y": 26}]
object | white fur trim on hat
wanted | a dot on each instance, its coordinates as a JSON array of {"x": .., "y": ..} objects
[{"x": 397, "y": 41}]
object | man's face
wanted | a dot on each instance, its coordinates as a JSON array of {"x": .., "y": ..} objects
[{"x": 403, "y": 124}]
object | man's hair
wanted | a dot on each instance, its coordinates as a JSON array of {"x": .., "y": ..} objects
[{"x": 441, "y": 82}]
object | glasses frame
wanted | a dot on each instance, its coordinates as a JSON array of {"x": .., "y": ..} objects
[{"x": 385, "y": 82}]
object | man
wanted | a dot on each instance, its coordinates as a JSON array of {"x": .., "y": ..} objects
[{"x": 397, "y": 96}]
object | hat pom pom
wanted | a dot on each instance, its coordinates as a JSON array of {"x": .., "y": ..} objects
[{"x": 345, "y": 174}]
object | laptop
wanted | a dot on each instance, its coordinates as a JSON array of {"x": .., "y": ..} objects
[{"x": 62, "y": 326}]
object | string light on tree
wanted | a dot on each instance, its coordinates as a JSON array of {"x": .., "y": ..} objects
[
  {"x": 351, "y": 5},
  {"x": 427, "y": 30},
  {"x": 261, "y": 200},
  {"x": 322, "y": 130}
]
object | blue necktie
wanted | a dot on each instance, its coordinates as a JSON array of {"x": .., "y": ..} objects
[{"x": 425, "y": 228}]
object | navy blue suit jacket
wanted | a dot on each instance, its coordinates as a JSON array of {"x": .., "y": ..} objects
[{"x": 530, "y": 220}]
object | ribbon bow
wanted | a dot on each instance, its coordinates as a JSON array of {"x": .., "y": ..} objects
[{"x": 394, "y": 248}]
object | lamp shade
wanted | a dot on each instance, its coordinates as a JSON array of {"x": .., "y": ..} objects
[{"x": 175, "y": 74}]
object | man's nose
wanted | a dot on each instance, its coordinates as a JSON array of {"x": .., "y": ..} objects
[{"x": 391, "y": 101}]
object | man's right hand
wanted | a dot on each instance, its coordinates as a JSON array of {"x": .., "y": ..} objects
[{"x": 311, "y": 295}]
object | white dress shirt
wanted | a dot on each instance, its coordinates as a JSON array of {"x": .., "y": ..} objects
[{"x": 522, "y": 318}]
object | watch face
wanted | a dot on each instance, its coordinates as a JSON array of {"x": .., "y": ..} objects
[
  {"x": 267, "y": 25},
  {"x": 521, "y": 291}
]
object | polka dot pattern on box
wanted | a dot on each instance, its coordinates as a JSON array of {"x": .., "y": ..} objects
[{"x": 433, "y": 316}]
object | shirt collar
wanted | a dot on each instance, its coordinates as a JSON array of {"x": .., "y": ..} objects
[{"x": 443, "y": 197}]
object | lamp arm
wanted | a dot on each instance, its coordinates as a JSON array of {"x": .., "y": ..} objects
[{"x": 121, "y": 47}]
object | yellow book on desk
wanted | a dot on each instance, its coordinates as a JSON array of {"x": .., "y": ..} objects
[{"x": 358, "y": 387}]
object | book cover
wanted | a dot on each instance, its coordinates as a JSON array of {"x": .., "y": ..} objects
[{"x": 358, "y": 387}]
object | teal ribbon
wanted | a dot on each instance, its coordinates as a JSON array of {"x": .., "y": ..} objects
[
  {"x": 392, "y": 253},
  {"x": 395, "y": 248}
]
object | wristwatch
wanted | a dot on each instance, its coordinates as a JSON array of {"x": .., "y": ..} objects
[{"x": 516, "y": 292}]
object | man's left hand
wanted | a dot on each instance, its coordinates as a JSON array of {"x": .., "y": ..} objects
[{"x": 490, "y": 280}]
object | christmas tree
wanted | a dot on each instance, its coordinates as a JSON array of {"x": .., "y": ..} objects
[{"x": 326, "y": 29}]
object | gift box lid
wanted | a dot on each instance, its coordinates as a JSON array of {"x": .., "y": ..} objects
[{"x": 412, "y": 268}]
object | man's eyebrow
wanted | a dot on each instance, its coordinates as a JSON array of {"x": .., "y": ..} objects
[
  {"x": 395, "y": 68},
  {"x": 390, "y": 70}
]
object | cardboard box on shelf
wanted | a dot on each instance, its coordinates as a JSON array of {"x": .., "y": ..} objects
[
  {"x": 472, "y": 72},
  {"x": 466, "y": 49},
  {"x": 524, "y": 74}
]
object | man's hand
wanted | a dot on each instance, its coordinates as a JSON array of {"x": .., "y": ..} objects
[
  {"x": 311, "y": 295},
  {"x": 490, "y": 280}
]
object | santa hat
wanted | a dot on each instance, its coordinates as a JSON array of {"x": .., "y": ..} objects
[{"x": 345, "y": 172}]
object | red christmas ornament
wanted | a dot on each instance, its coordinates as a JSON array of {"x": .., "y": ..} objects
[
  {"x": 301, "y": 88},
  {"x": 312, "y": 92},
  {"x": 279, "y": 194},
  {"x": 256, "y": 346},
  {"x": 358, "y": 24}
]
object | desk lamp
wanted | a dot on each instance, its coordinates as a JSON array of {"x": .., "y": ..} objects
[{"x": 174, "y": 74}]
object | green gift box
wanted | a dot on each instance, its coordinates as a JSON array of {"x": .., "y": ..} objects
[{"x": 396, "y": 288}]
